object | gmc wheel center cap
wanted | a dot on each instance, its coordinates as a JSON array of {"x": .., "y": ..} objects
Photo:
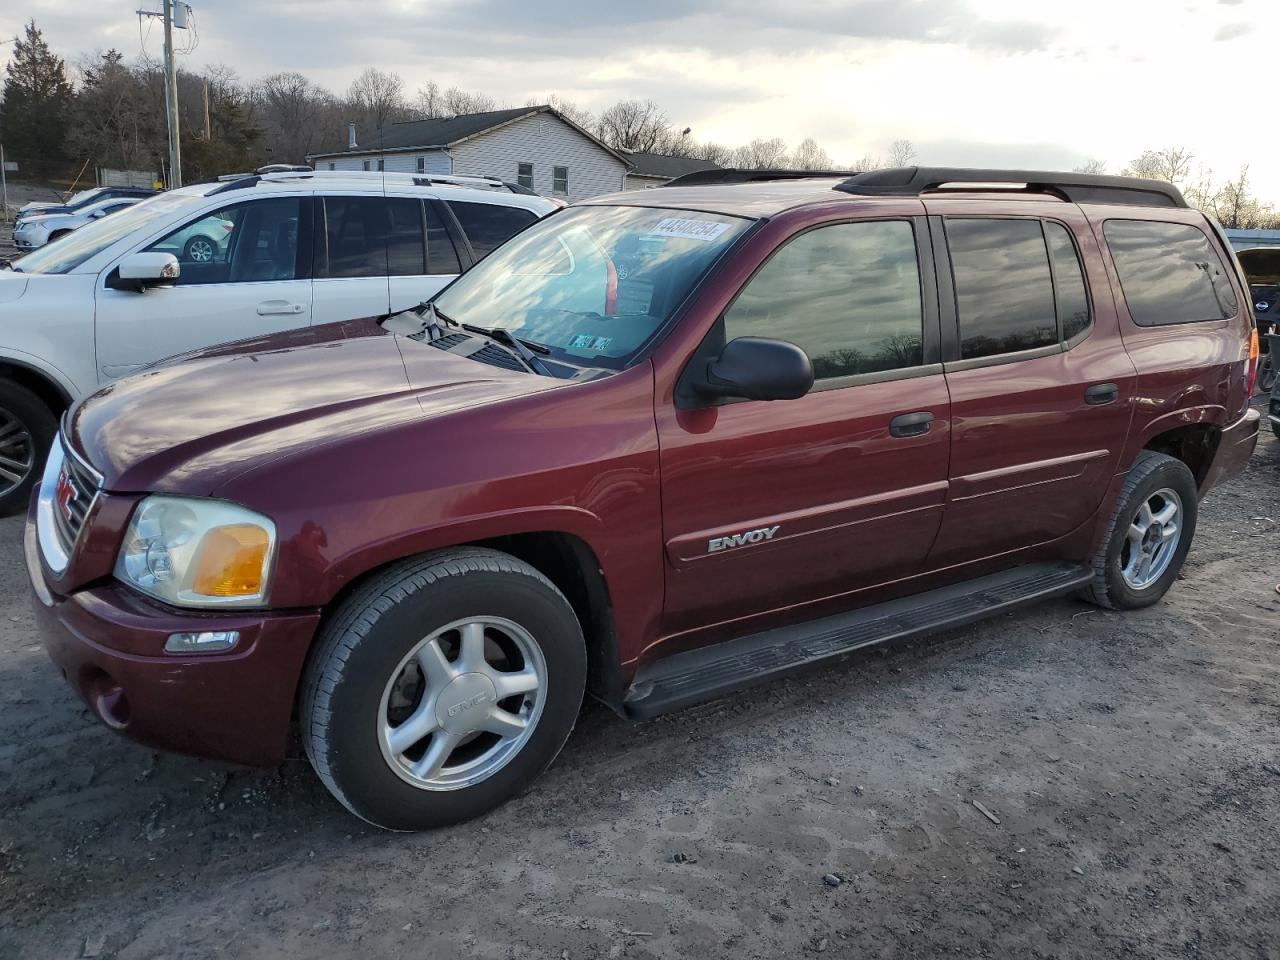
[{"x": 463, "y": 701}]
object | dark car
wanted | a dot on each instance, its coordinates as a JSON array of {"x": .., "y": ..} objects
[
  {"x": 657, "y": 447},
  {"x": 1261, "y": 267},
  {"x": 83, "y": 199}
]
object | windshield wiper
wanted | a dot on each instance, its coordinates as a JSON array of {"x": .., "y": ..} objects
[
  {"x": 515, "y": 345},
  {"x": 428, "y": 321}
]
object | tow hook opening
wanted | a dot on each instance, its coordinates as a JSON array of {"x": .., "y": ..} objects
[{"x": 106, "y": 697}]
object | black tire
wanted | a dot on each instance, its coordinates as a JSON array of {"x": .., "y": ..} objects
[
  {"x": 199, "y": 239},
  {"x": 56, "y": 234},
  {"x": 367, "y": 638},
  {"x": 1151, "y": 472},
  {"x": 20, "y": 405}
]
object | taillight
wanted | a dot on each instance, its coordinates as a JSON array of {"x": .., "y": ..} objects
[{"x": 1252, "y": 378}]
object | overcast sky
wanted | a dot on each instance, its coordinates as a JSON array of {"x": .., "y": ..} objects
[{"x": 994, "y": 82}]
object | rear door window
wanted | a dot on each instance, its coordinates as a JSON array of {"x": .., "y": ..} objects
[
  {"x": 488, "y": 225},
  {"x": 1068, "y": 280},
  {"x": 1004, "y": 288},
  {"x": 442, "y": 256},
  {"x": 1169, "y": 273},
  {"x": 374, "y": 237}
]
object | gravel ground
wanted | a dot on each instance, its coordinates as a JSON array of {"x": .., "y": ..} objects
[{"x": 1131, "y": 760}]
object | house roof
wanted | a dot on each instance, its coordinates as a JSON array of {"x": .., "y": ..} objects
[
  {"x": 440, "y": 132},
  {"x": 667, "y": 167}
]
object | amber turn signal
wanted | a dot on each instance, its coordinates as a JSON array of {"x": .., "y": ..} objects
[{"x": 231, "y": 561}]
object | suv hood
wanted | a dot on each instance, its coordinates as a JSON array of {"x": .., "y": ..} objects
[{"x": 196, "y": 421}]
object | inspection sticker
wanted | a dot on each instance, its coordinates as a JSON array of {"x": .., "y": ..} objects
[
  {"x": 688, "y": 228},
  {"x": 585, "y": 341}
]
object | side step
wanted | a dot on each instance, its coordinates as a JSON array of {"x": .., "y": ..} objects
[{"x": 691, "y": 677}]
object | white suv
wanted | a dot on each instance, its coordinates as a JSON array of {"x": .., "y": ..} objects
[{"x": 215, "y": 262}]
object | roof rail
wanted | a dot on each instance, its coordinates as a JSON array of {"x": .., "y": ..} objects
[
  {"x": 1075, "y": 187},
  {"x": 700, "y": 178},
  {"x": 282, "y": 173}
]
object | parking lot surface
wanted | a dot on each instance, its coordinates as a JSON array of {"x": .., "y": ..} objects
[{"x": 1132, "y": 762}]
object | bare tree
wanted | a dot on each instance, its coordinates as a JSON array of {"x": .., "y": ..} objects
[
  {"x": 457, "y": 101},
  {"x": 868, "y": 162},
  {"x": 295, "y": 113},
  {"x": 633, "y": 125},
  {"x": 810, "y": 156},
  {"x": 428, "y": 103},
  {"x": 761, "y": 154},
  {"x": 1172, "y": 164},
  {"x": 377, "y": 97},
  {"x": 716, "y": 153},
  {"x": 902, "y": 153},
  {"x": 1091, "y": 167}
]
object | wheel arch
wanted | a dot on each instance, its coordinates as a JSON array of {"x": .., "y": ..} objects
[
  {"x": 1194, "y": 444},
  {"x": 569, "y": 562},
  {"x": 51, "y": 392}
]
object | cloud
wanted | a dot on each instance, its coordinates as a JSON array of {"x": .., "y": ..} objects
[{"x": 1229, "y": 31}]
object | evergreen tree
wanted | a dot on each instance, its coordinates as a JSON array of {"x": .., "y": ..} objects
[{"x": 36, "y": 111}]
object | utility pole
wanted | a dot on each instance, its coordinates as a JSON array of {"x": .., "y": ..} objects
[
  {"x": 171, "y": 97},
  {"x": 208, "y": 127}
]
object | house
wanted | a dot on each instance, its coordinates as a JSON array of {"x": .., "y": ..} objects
[
  {"x": 536, "y": 147},
  {"x": 655, "y": 169}
]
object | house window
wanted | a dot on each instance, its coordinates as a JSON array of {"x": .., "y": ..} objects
[
  {"x": 524, "y": 175},
  {"x": 559, "y": 179},
  {"x": 380, "y": 167},
  {"x": 422, "y": 165},
  {"x": 364, "y": 164},
  {"x": 332, "y": 165}
]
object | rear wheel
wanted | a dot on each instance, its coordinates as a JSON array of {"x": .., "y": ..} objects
[
  {"x": 1149, "y": 536},
  {"x": 27, "y": 428},
  {"x": 442, "y": 688}
]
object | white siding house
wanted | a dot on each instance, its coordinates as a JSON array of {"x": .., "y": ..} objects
[
  {"x": 533, "y": 146},
  {"x": 655, "y": 169}
]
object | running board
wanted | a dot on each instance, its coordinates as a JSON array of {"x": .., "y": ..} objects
[{"x": 684, "y": 679}]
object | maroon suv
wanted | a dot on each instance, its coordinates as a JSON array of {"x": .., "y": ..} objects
[{"x": 657, "y": 447}]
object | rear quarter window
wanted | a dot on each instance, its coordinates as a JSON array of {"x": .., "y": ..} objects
[
  {"x": 1169, "y": 273},
  {"x": 488, "y": 225}
]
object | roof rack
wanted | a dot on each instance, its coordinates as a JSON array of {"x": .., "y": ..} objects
[
  {"x": 283, "y": 173},
  {"x": 701, "y": 178},
  {"x": 1074, "y": 187}
]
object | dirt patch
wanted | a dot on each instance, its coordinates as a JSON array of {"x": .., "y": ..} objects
[{"x": 1133, "y": 762}]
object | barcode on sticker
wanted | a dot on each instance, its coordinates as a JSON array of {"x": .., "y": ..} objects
[{"x": 688, "y": 228}]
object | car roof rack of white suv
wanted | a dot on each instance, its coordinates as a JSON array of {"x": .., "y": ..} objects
[{"x": 276, "y": 173}]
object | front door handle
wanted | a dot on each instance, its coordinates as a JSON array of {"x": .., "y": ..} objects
[
  {"x": 1101, "y": 393},
  {"x": 268, "y": 308},
  {"x": 911, "y": 424}
]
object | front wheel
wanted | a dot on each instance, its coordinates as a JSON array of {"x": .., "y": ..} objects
[
  {"x": 199, "y": 249},
  {"x": 27, "y": 428},
  {"x": 442, "y": 688},
  {"x": 1149, "y": 535}
]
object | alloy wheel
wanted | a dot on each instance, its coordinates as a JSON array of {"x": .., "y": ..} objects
[
  {"x": 462, "y": 703},
  {"x": 1152, "y": 539},
  {"x": 200, "y": 251},
  {"x": 17, "y": 452}
]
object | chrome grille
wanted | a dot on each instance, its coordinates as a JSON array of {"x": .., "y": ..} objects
[{"x": 73, "y": 497}]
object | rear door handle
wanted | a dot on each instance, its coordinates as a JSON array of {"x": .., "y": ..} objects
[
  {"x": 911, "y": 424},
  {"x": 269, "y": 308},
  {"x": 1101, "y": 393}
]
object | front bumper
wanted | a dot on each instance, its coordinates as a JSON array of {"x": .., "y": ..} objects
[
  {"x": 109, "y": 644},
  {"x": 1234, "y": 449}
]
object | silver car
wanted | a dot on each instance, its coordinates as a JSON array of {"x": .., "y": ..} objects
[{"x": 37, "y": 229}]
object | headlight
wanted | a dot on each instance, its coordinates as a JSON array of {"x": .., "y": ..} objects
[{"x": 198, "y": 553}]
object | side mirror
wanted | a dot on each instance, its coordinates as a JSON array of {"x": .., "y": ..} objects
[
  {"x": 757, "y": 368},
  {"x": 141, "y": 270},
  {"x": 98, "y": 214}
]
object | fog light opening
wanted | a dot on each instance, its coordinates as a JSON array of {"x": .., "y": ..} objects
[
  {"x": 107, "y": 699},
  {"x": 205, "y": 641}
]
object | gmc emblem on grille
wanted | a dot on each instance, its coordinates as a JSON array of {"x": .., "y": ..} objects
[{"x": 65, "y": 494}]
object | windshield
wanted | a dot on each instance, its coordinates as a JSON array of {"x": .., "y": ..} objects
[
  {"x": 593, "y": 283},
  {"x": 69, "y": 251}
]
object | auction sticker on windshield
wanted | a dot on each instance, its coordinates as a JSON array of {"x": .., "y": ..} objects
[{"x": 688, "y": 228}]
